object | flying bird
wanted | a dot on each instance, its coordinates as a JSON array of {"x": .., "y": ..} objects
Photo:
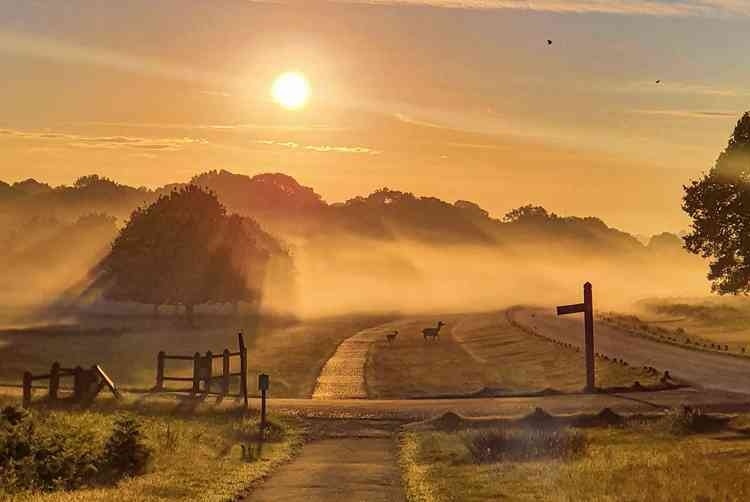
[
  {"x": 658, "y": 81},
  {"x": 549, "y": 42}
]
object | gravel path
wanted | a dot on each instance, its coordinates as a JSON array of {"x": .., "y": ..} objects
[{"x": 343, "y": 376}]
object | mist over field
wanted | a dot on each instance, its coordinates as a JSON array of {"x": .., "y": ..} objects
[{"x": 387, "y": 252}]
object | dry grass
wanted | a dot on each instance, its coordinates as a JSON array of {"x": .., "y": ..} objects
[
  {"x": 197, "y": 453},
  {"x": 292, "y": 353},
  {"x": 643, "y": 463},
  {"x": 482, "y": 351}
]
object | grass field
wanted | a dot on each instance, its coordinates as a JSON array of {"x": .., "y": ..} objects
[
  {"x": 631, "y": 463},
  {"x": 478, "y": 352},
  {"x": 292, "y": 353},
  {"x": 723, "y": 320},
  {"x": 196, "y": 450}
]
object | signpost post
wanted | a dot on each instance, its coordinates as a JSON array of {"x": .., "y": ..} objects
[
  {"x": 263, "y": 384},
  {"x": 588, "y": 320}
]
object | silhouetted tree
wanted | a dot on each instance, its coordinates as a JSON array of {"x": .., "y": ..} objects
[
  {"x": 526, "y": 214},
  {"x": 184, "y": 250},
  {"x": 719, "y": 204}
]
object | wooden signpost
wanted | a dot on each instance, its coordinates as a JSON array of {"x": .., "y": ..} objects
[{"x": 588, "y": 321}]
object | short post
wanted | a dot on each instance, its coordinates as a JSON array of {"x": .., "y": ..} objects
[
  {"x": 27, "y": 389},
  {"x": 243, "y": 367},
  {"x": 225, "y": 373},
  {"x": 208, "y": 364},
  {"x": 196, "y": 373},
  {"x": 54, "y": 381},
  {"x": 160, "y": 371},
  {"x": 263, "y": 384}
]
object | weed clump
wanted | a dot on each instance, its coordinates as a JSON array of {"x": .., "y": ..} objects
[
  {"x": 494, "y": 445},
  {"x": 685, "y": 421}
]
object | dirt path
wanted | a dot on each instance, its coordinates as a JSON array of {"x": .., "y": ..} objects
[
  {"x": 358, "y": 463},
  {"x": 343, "y": 376}
]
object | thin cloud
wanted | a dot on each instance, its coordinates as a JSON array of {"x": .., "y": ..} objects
[
  {"x": 212, "y": 127},
  {"x": 320, "y": 148},
  {"x": 682, "y": 88},
  {"x": 105, "y": 142},
  {"x": 689, "y": 113},
  {"x": 681, "y": 8}
]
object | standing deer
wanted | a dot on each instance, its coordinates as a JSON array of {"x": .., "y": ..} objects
[
  {"x": 433, "y": 333},
  {"x": 392, "y": 337}
]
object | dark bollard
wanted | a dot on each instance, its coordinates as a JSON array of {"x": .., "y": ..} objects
[{"x": 263, "y": 384}]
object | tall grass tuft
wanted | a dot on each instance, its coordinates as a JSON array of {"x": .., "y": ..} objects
[
  {"x": 494, "y": 445},
  {"x": 685, "y": 420}
]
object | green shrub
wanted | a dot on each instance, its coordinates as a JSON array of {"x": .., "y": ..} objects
[
  {"x": 44, "y": 455},
  {"x": 125, "y": 452},
  {"x": 494, "y": 445}
]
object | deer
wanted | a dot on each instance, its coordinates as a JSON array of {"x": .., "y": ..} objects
[
  {"x": 433, "y": 333},
  {"x": 391, "y": 337}
]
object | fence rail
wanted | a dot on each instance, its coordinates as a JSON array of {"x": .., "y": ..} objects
[
  {"x": 87, "y": 383},
  {"x": 203, "y": 371}
]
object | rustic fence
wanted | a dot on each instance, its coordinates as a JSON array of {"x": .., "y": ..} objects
[
  {"x": 203, "y": 372},
  {"x": 87, "y": 383}
]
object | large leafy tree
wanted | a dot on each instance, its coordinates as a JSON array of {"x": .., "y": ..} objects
[
  {"x": 719, "y": 204},
  {"x": 185, "y": 250}
]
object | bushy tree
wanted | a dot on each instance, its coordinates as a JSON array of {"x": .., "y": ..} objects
[
  {"x": 719, "y": 205},
  {"x": 184, "y": 250}
]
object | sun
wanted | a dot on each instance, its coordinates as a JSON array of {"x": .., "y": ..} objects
[{"x": 291, "y": 90}]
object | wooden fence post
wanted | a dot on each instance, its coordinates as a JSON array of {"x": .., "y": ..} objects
[
  {"x": 209, "y": 366},
  {"x": 225, "y": 373},
  {"x": 196, "y": 373},
  {"x": 243, "y": 367},
  {"x": 160, "y": 371},
  {"x": 54, "y": 381},
  {"x": 77, "y": 384},
  {"x": 27, "y": 389}
]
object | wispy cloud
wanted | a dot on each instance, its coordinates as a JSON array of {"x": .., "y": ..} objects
[
  {"x": 714, "y": 8},
  {"x": 212, "y": 127},
  {"x": 320, "y": 148},
  {"x": 682, "y": 88},
  {"x": 690, "y": 113},
  {"x": 106, "y": 142}
]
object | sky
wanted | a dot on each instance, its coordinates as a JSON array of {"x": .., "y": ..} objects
[{"x": 459, "y": 99}]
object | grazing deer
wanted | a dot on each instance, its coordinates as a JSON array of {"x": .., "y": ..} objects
[
  {"x": 392, "y": 336},
  {"x": 433, "y": 333}
]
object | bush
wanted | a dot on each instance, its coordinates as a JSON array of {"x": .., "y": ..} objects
[
  {"x": 125, "y": 453},
  {"x": 44, "y": 455},
  {"x": 524, "y": 444}
]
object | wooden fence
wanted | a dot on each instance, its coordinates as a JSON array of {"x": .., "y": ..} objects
[
  {"x": 87, "y": 383},
  {"x": 203, "y": 372}
]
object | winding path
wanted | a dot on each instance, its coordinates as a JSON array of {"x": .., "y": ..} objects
[
  {"x": 703, "y": 369},
  {"x": 343, "y": 376}
]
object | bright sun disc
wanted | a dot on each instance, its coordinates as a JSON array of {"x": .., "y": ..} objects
[{"x": 291, "y": 90}]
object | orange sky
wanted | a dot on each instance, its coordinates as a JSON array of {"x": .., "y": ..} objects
[{"x": 466, "y": 103}]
